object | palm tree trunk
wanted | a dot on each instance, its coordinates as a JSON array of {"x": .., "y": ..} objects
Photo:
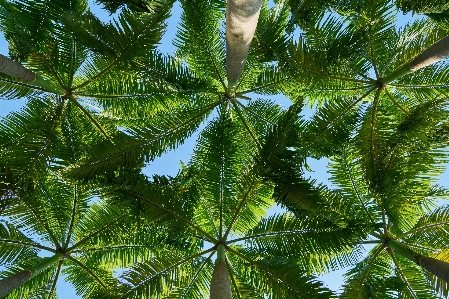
[
  {"x": 15, "y": 69},
  {"x": 436, "y": 52},
  {"x": 220, "y": 287},
  {"x": 241, "y": 22},
  {"x": 10, "y": 283},
  {"x": 438, "y": 268}
]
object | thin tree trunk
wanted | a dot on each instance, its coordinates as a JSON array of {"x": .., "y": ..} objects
[
  {"x": 15, "y": 69},
  {"x": 434, "y": 266},
  {"x": 241, "y": 22},
  {"x": 220, "y": 287},
  {"x": 10, "y": 283},
  {"x": 436, "y": 52},
  {"x": 438, "y": 268}
]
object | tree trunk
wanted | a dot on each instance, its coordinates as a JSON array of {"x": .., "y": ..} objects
[
  {"x": 434, "y": 266},
  {"x": 241, "y": 22},
  {"x": 220, "y": 287},
  {"x": 436, "y": 52},
  {"x": 15, "y": 69},
  {"x": 10, "y": 283}
]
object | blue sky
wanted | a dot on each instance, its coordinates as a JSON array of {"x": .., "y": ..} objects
[{"x": 169, "y": 163}]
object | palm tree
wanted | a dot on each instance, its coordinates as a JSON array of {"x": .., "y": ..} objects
[
  {"x": 391, "y": 180},
  {"x": 146, "y": 103},
  {"x": 351, "y": 64},
  {"x": 70, "y": 74},
  {"x": 201, "y": 44},
  {"x": 436, "y": 10},
  {"x": 218, "y": 204},
  {"x": 84, "y": 240}
]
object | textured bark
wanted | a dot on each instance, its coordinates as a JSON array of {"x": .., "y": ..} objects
[
  {"x": 436, "y": 52},
  {"x": 220, "y": 287},
  {"x": 15, "y": 69},
  {"x": 10, "y": 283},
  {"x": 241, "y": 22},
  {"x": 436, "y": 267}
]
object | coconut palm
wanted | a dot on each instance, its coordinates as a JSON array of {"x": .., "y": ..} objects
[
  {"x": 391, "y": 178},
  {"x": 436, "y": 10},
  {"x": 84, "y": 64},
  {"x": 367, "y": 61},
  {"x": 307, "y": 13},
  {"x": 148, "y": 103},
  {"x": 219, "y": 203},
  {"x": 201, "y": 46},
  {"x": 56, "y": 229}
]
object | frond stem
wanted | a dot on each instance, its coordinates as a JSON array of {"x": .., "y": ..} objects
[
  {"x": 43, "y": 223},
  {"x": 255, "y": 114},
  {"x": 371, "y": 242},
  {"x": 191, "y": 224},
  {"x": 354, "y": 187},
  {"x": 118, "y": 247},
  {"x": 93, "y": 234},
  {"x": 425, "y": 227},
  {"x": 88, "y": 271},
  {"x": 192, "y": 257},
  {"x": 419, "y": 86},
  {"x": 421, "y": 247},
  {"x": 140, "y": 36},
  {"x": 72, "y": 218},
  {"x": 231, "y": 274},
  {"x": 394, "y": 101},
  {"x": 268, "y": 271},
  {"x": 55, "y": 280},
  {"x": 72, "y": 64},
  {"x": 384, "y": 220},
  {"x": 267, "y": 234},
  {"x": 25, "y": 85},
  {"x": 250, "y": 131},
  {"x": 331, "y": 124},
  {"x": 53, "y": 71},
  {"x": 237, "y": 211},
  {"x": 56, "y": 120},
  {"x": 27, "y": 244},
  {"x": 401, "y": 274},
  {"x": 196, "y": 275},
  {"x": 373, "y": 58},
  {"x": 209, "y": 215},
  {"x": 372, "y": 131},
  {"x": 365, "y": 272},
  {"x": 89, "y": 116},
  {"x": 261, "y": 87}
]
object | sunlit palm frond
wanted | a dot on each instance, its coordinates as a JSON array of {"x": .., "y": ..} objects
[{"x": 200, "y": 38}]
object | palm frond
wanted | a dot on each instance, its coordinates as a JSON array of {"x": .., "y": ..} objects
[
  {"x": 276, "y": 277},
  {"x": 373, "y": 277},
  {"x": 200, "y": 38},
  {"x": 158, "y": 135},
  {"x": 167, "y": 274}
]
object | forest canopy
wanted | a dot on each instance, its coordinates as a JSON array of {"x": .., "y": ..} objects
[{"x": 263, "y": 88}]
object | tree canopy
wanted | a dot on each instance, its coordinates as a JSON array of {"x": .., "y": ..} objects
[{"x": 103, "y": 102}]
